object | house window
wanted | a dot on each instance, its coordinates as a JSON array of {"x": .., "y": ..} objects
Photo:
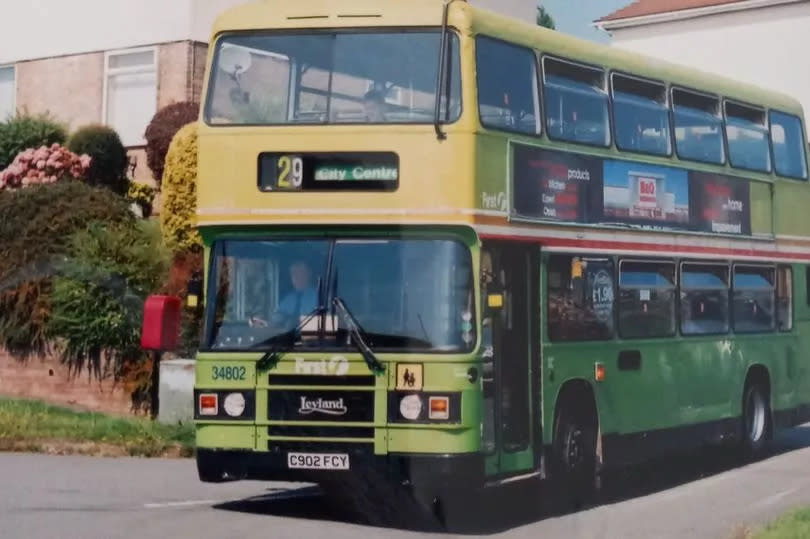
[
  {"x": 130, "y": 93},
  {"x": 7, "y": 92}
]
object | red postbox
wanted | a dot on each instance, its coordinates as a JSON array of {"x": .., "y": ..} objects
[{"x": 161, "y": 323}]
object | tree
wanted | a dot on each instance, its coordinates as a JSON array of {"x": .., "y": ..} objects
[{"x": 544, "y": 19}]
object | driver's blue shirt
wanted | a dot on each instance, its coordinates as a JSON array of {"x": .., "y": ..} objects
[{"x": 298, "y": 303}]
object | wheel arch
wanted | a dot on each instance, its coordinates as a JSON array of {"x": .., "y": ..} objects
[{"x": 579, "y": 393}]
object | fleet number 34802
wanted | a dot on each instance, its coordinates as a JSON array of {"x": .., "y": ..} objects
[{"x": 228, "y": 373}]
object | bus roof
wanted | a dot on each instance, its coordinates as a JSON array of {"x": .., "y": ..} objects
[{"x": 264, "y": 14}]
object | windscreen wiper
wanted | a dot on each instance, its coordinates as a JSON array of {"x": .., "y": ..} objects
[
  {"x": 283, "y": 341},
  {"x": 356, "y": 332}
]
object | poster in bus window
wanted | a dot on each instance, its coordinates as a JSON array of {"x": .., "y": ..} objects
[
  {"x": 720, "y": 204},
  {"x": 554, "y": 185},
  {"x": 645, "y": 194}
]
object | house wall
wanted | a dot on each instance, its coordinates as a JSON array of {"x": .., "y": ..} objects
[
  {"x": 70, "y": 88},
  {"x": 46, "y": 28},
  {"x": 525, "y": 10}
]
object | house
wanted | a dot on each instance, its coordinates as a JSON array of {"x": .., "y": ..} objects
[
  {"x": 756, "y": 41},
  {"x": 117, "y": 63},
  {"x": 96, "y": 61}
]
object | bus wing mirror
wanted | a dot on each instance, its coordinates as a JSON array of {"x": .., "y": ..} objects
[{"x": 161, "y": 323}]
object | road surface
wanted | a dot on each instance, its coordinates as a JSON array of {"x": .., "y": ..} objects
[{"x": 78, "y": 497}]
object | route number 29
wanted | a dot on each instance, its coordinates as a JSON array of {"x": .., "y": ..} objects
[{"x": 290, "y": 172}]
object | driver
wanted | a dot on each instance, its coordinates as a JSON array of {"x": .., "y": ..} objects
[{"x": 299, "y": 302}]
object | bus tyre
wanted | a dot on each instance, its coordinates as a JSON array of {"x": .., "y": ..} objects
[
  {"x": 575, "y": 456},
  {"x": 756, "y": 418}
]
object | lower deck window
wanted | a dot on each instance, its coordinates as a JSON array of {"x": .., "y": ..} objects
[
  {"x": 784, "y": 298},
  {"x": 754, "y": 299},
  {"x": 704, "y": 299},
  {"x": 580, "y": 298},
  {"x": 646, "y": 299}
]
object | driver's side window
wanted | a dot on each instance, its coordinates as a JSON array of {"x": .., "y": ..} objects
[
  {"x": 507, "y": 86},
  {"x": 251, "y": 286}
]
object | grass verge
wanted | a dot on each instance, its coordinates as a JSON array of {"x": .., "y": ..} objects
[
  {"x": 36, "y": 426},
  {"x": 793, "y": 525}
]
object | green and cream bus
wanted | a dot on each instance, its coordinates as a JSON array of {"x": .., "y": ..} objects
[{"x": 447, "y": 250}]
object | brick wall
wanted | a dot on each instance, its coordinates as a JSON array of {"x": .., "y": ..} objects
[
  {"x": 47, "y": 380},
  {"x": 71, "y": 88},
  {"x": 174, "y": 83},
  {"x": 198, "y": 60}
]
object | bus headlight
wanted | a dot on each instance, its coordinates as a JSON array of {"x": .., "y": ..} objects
[
  {"x": 410, "y": 407},
  {"x": 234, "y": 404}
]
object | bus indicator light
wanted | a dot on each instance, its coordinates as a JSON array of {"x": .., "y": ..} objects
[
  {"x": 209, "y": 404},
  {"x": 599, "y": 372},
  {"x": 439, "y": 408}
]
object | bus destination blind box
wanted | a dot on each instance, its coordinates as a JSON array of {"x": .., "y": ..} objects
[{"x": 348, "y": 171}]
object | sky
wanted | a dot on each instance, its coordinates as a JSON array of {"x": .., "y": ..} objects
[{"x": 575, "y": 16}]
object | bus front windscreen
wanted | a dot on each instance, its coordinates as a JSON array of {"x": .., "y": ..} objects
[
  {"x": 331, "y": 77},
  {"x": 404, "y": 294}
]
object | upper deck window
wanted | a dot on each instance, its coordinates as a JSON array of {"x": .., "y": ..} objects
[
  {"x": 507, "y": 86},
  {"x": 698, "y": 127},
  {"x": 323, "y": 77},
  {"x": 641, "y": 115},
  {"x": 576, "y": 103},
  {"x": 787, "y": 139},
  {"x": 747, "y": 133}
]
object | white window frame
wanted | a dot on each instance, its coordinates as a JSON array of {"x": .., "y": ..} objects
[
  {"x": 13, "y": 68},
  {"x": 108, "y": 72}
]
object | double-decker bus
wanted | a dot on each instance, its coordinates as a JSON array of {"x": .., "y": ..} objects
[{"x": 447, "y": 250}]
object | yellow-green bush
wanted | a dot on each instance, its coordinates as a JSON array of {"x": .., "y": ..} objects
[{"x": 178, "y": 215}]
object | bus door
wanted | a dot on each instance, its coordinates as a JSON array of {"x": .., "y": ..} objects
[{"x": 510, "y": 286}]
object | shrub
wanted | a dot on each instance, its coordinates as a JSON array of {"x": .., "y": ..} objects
[
  {"x": 23, "y": 131},
  {"x": 178, "y": 214},
  {"x": 162, "y": 129},
  {"x": 37, "y": 225},
  {"x": 186, "y": 265},
  {"x": 43, "y": 165},
  {"x": 142, "y": 195},
  {"x": 109, "y": 166},
  {"x": 99, "y": 294}
]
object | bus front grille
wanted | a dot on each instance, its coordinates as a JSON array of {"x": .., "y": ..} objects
[{"x": 309, "y": 405}]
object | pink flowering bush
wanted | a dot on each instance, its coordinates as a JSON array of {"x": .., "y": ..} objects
[{"x": 43, "y": 165}]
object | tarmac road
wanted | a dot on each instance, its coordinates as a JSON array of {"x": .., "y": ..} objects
[{"x": 77, "y": 497}]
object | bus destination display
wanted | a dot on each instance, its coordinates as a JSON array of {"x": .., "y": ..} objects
[
  {"x": 287, "y": 171},
  {"x": 560, "y": 186}
]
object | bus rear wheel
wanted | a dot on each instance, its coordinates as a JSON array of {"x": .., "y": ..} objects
[
  {"x": 756, "y": 418},
  {"x": 575, "y": 470}
]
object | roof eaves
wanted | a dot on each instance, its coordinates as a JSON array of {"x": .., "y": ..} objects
[{"x": 607, "y": 23}]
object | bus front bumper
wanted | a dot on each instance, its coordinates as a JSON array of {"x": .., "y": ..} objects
[{"x": 458, "y": 470}]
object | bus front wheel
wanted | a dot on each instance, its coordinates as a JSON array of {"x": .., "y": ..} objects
[{"x": 575, "y": 470}]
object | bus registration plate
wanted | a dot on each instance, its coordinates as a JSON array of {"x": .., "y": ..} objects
[{"x": 318, "y": 461}]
